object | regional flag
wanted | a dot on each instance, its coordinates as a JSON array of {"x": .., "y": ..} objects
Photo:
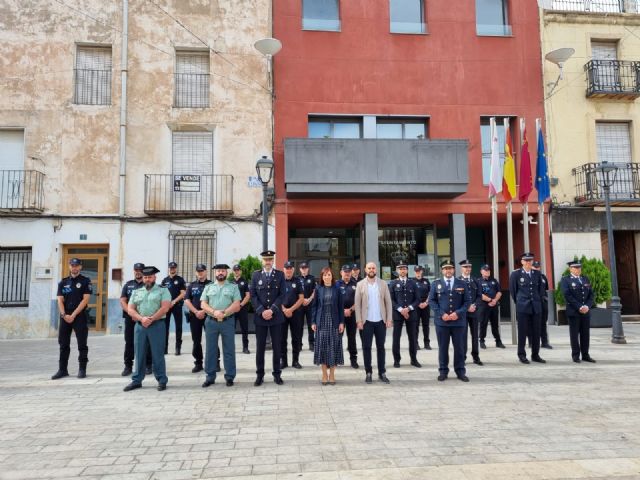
[
  {"x": 525, "y": 170},
  {"x": 509, "y": 177},
  {"x": 542, "y": 173},
  {"x": 495, "y": 176}
]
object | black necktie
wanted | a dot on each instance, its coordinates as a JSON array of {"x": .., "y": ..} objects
[{"x": 448, "y": 284}]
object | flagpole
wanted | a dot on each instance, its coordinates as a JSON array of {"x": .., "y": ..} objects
[
  {"x": 512, "y": 310},
  {"x": 494, "y": 210},
  {"x": 525, "y": 205}
]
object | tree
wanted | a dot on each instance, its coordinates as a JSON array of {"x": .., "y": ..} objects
[{"x": 599, "y": 277}]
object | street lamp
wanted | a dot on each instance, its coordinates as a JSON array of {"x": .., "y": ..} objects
[
  {"x": 606, "y": 176},
  {"x": 264, "y": 168}
]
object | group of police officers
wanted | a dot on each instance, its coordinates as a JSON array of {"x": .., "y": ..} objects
[{"x": 283, "y": 301}]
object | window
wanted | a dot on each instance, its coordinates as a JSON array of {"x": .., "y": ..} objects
[
  {"x": 407, "y": 16},
  {"x": 15, "y": 275},
  {"x": 191, "y": 80},
  {"x": 321, "y": 15},
  {"x": 613, "y": 142},
  {"x": 93, "y": 76},
  {"x": 491, "y": 18},
  {"x": 485, "y": 134},
  {"x": 190, "y": 247},
  {"x": 606, "y": 73},
  {"x": 203, "y": 191},
  {"x": 401, "y": 128},
  {"x": 323, "y": 127}
]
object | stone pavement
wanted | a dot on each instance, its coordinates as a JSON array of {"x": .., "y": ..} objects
[{"x": 555, "y": 421}]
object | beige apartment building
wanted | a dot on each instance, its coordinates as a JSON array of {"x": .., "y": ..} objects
[
  {"x": 126, "y": 148},
  {"x": 592, "y": 116}
]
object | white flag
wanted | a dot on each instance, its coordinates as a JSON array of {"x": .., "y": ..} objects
[{"x": 495, "y": 177}]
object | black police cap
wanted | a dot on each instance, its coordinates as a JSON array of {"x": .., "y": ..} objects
[
  {"x": 536, "y": 264},
  {"x": 575, "y": 263},
  {"x": 402, "y": 265},
  {"x": 418, "y": 268},
  {"x": 201, "y": 267},
  {"x": 221, "y": 266},
  {"x": 138, "y": 266},
  {"x": 268, "y": 254},
  {"x": 346, "y": 267},
  {"x": 304, "y": 265},
  {"x": 236, "y": 267},
  {"x": 485, "y": 267},
  {"x": 464, "y": 263},
  {"x": 447, "y": 264},
  {"x": 527, "y": 256},
  {"x": 75, "y": 261},
  {"x": 288, "y": 264},
  {"x": 355, "y": 266},
  {"x": 173, "y": 265},
  {"x": 150, "y": 270}
]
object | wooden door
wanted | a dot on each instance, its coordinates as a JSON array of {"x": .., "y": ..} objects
[{"x": 627, "y": 272}]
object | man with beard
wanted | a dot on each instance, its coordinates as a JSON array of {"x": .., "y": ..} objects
[
  {"x": 73, "y": 297},
  {"x": 404, "y": 300},
  {"x": 221, "y": 300},
  {"x": 197, "y": 315},
  {"x": 129, "y": 324},
  {"x": 148, "y": 307}
]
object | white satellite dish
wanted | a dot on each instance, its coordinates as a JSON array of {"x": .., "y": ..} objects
[
  {"x": 560, "y": 56},
  {"x": 268, "y": 46}
]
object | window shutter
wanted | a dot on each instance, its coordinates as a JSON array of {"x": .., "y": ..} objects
[
  {"x": 93, "y": 76},
  {"x": 192, "y": 80}
]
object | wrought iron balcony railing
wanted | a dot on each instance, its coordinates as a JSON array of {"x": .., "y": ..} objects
[
  {"x": 624, "y": 191},
  {"x": 612, "y": 78},
  {"x": 593, "y": 6},
  {"x": 188, "y": 195},
  {"x": 21, "y": 191}
]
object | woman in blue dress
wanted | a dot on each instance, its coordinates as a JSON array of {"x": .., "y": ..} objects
[{"x": 328, "y": 325}]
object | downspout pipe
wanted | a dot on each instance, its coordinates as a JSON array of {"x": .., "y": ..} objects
[{"x": 123, "y": 106}]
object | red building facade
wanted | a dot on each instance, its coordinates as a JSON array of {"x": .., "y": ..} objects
[{"x": 381, "y": 127}]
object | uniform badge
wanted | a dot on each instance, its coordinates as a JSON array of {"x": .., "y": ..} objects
[
  {"x": 259, "y": 282},
  {"x": 353, "y": 287},
  {"x": 78, "y": 285},
  {"x": 293, "y": 285},
  {"x": 521, "y": 280},
  {"x": 397, "y": 285},
  {"x": 439, "y": 287},
  {"x": 309, "y": 281},
  {"x": 573, "y": 284},
  {"x": 175, "y": 282},
  {"x": 242, "y": 284}
]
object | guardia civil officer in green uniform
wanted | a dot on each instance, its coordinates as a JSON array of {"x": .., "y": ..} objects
[
  {"x": 221, "y": 300},
  {"x": 73, "y": 297},
  {"x": 147, "y": 307}
]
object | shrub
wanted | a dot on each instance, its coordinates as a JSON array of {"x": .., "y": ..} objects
[{"x": 599, "y": 277}]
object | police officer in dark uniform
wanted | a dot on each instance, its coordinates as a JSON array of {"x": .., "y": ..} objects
[
  {"x": 177, "y": 288},
  {"x": 423, "y": 287},
  {"x": 309, "y": 287},
  {"x": 578, "y": 294},
  {"x": 355, "y": 272},
  {"x": 472, "y": 317},
  {"x": 73, "y": 297},
  {"x": 526, "y": 289},
  {"x": 404, "y": 301},
  {"x": 450, "y": 299},
  {"x": 242, "y": 317},
  {"x": 347, "y": 285},
  {"x": 544, "y": 335},
  {"x": 291, "y": 302},
  {"x": 197, "y": 316},
  {"x": 267, "y": 291},
  {"x": 129, "y": 324},
  {"x": 488, "y": 307}
]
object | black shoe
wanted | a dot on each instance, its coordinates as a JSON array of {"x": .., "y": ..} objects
[
  {"x": 477, "y": 361},
  {"x": 59, "y": 374},
  {"x": 132, "y": 386},
  {"x": 177, "y": 351},
  {"x": 196, "y": 369},
  {"x": 396, "y": 364},
  {"x": 442, "y": 377},
  {"x": 82, "y": 373},
  {"x": 229, "y": 382},
  {"x": 246, "y": 350},
  {"x": 161, "y": 387},
  {"x": 576, "y": 359},
  {"x": 427, "y": 346},
  {"x": 499, "y": 344},
  {"x": 523, "y": 360},
  {"x": 416, "y": 363},
  {"x": 259, "y": 381},
  {"x": 277, "y": 379},
  {"x": 368, "y": 379},
  {"x": 482, "y": 344},
  {"x": 148, "y": 371},
  {"x": 588, "y": 359},
  {"x": 296, "y": 364},
  {"x": 383, "y": 378},
  {"x": 126, "y": 372},
  {"x": 463, "y": 378},
  {"x": 218, "y": 369},
  {"x": 354, "y": 364},
  {"x": 538, "y": 359},
  {"x": 208, "y": 383},
  {"x": 547, "y": 346}
]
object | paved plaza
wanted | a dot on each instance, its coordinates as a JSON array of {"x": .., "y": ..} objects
[{"x": 555, "y": 421}]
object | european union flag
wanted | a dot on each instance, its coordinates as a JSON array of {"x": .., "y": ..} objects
[{"x": 542, "y": 172}]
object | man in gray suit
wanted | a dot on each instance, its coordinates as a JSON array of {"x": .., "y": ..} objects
[{"x": 374, "y": 314}]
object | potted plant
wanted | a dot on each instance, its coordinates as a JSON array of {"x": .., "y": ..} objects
[
  {"x": 600, "y": 278},
  {"x": 248, "y": 265}
]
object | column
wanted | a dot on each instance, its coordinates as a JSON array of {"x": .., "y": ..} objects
[
  {"x": 458, "y": 237},
  {"x": 371, "y": 239}
]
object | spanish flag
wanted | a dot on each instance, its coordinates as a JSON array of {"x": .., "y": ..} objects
[{"x": 509, "y": 175}]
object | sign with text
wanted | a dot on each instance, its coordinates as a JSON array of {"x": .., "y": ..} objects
[{"x": 186, "y": 183}]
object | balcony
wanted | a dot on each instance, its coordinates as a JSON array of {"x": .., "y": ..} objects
[
  {"x": 613, "y": 79},
  {"x": 624, "y": 192},
  {"x": 188, "y": 195},
  {"x": 21, "y": 191},
  {"x": 592, "y": 6},
  {"x": 375, "y": 167}
]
